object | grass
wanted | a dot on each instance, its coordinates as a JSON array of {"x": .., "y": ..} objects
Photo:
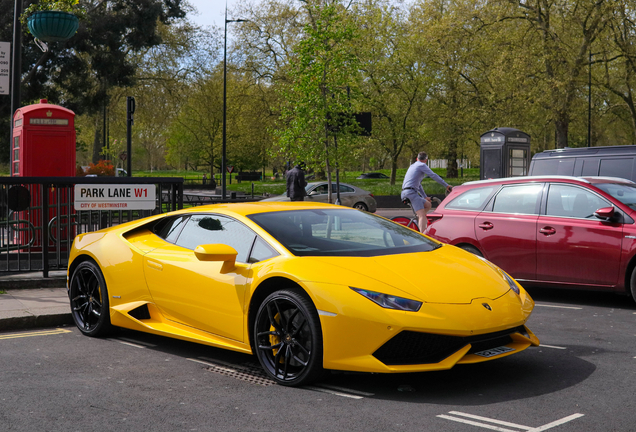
[{"x": 277, "y": 187}]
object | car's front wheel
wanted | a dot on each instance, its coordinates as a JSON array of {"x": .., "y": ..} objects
[
  {"x": 89, "y": 300},
  {"x": 288, "y": 338}
]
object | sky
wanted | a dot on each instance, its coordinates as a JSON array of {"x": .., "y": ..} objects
[{"x": 211, "y": 12}]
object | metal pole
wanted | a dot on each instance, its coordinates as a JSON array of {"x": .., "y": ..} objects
[
  {"x": 589, "y": 101},
  {"x": 130, "y": 110},
  {"x": 16, "y": 73},
  {"x": 223, "y": 155}
]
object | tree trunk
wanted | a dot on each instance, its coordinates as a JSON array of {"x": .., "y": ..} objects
[
  {"x": 561, "y": 126},
  {"x": 394, "y": 159},
  {"x": 451, "y": 159},
  {"x": 97, "y": 144}
]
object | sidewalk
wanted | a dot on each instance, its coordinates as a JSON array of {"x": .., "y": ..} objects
[{"x": 31, "y": 301}]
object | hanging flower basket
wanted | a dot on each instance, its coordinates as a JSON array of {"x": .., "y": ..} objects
[{"x": 52, "y": 26}]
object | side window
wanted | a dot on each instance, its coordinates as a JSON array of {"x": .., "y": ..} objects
[
  {"x": 169, "y": 228},
  {"x": 344, "y": 189},
  {"x": 573, "y": 202},
  {"x": 206, "y": 229},
  {"x": 322, "y": 189},
  {"x": 617, "y": 167},
  {"x": 518, "y": 199},
  {"x": 559, "y": 166},
  {"x": 473, "y": 199},
  {"x": 261, "y": 251}
]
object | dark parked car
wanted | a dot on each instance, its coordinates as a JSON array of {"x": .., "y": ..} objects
[
  {"x": 549, "y": 230},
  {"x": 372, "y": 176}
]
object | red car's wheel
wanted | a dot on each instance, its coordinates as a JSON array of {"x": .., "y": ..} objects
[
  {"x": 406, "y": 222},
  {"x": 288, "y": 338}
]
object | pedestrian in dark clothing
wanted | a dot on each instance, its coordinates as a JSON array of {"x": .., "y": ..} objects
[{"x": 296, "y": 184}]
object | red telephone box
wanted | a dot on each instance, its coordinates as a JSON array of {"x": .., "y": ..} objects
[{"x": 43, "y": 141}]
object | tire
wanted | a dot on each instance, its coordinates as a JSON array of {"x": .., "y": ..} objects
[
  {"x": 288, "y": 338},
  {"x": 89, "y": 300},
  {"x": 632, "y": 284},
  {"x": 472, "y": 249},
  {"x": 406, "y": 222},
  {"x": 361, "y": 206}
]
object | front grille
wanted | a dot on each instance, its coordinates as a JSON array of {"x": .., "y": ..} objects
[{"x": 409, "y": 347}]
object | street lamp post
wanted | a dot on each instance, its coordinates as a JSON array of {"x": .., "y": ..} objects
[
  {"x": 223, "y": 154},
  {"x": 16, "y": 69}
]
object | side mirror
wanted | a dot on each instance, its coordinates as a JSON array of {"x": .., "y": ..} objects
[
  {"x": 313, "y": 192},
  {"x": 217, "y": 252},
  {"x": 605, "y": 213}
]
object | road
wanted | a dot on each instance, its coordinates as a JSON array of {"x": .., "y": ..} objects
[{"x": 582, "y": 378}]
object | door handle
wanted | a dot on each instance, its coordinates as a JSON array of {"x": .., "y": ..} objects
[
  {"x": 154, "y": 265},
  {"x": 486, "y": 226},
  {"x": 547, "y": 231}
]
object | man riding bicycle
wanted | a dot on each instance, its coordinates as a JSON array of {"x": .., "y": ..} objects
[{"x": 413, "y": 191}]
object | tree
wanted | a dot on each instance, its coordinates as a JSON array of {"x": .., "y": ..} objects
[
  {"x": 317, "y": 101},
  {"x": 79, "y": 72}
]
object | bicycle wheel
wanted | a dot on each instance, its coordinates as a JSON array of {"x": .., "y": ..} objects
[{"x": 409, "y": 223}]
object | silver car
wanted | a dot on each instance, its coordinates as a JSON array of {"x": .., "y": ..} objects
[{"x": 350, "y": 196}]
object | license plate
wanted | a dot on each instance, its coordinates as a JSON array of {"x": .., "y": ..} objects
[{"x": 494, "y": 351}]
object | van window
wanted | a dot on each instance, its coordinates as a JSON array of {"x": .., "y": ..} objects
[
  {"x": 553, "y": 167},
  {"x": 617, "y": 167},
  {"x": 590, "y": 167}
]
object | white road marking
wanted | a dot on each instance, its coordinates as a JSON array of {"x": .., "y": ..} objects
[
  {"x": 333, "y": 392},
  {"x": 558, "y": 307},
  {"x": 127, "y": 343},
  {"x": 500, "y": 422},
  {"x": 136, "y": 342},
  {"x": 557, "y": 423},
  {"x": 346, "y": 390},
  {"x": 552, "y": 346},
  {"x": 504, "y": 423}
]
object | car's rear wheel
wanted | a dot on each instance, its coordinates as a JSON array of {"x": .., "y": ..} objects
[
  {"x": 288, "y": 338},
  {"x": 89, "y": 300},
  {"x": 472, "y": 249},
  {"x": 361, "y": 206}
]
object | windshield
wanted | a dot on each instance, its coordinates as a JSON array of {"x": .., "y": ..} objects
[
  {"x": 625, "y": 193},
  {"x": 341, "y": 233}
]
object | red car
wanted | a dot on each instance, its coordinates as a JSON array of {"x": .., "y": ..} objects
[{"x": 558, "y": 231}]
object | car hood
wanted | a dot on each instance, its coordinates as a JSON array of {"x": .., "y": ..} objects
[{"x": 445, "y": 275}]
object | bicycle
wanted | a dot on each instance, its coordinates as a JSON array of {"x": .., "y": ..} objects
[{"x": 412, "y": 222}]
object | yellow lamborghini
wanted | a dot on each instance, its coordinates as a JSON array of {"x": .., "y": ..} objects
[{"x": 305, "y": 287}]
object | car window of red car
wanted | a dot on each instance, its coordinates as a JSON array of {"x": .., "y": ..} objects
[
  {"x": 473, "y": 199},
  {"x": 520, "y": 199},
  {"x": 625, "y": 193},
  {"x": 572, "y": 201}
]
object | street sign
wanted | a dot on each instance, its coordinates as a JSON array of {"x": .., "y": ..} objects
[
  {"x": 115, "y": 197},
  {"x": 5, "y": 67},
  {"x": 230, "y": 169},
  {"x": 123, "y": 155}
]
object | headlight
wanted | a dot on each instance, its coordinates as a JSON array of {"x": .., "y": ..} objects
[
  {"x": 390, "y": 301},
  {"x": 511, "y": 282}
]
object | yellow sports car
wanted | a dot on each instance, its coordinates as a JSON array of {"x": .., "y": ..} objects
[{"x": 305, "y": 287}]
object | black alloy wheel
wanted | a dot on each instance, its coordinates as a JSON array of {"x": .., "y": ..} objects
[
  {"x": 288, "y": 338},
  {"x": 89, "y": 300}
]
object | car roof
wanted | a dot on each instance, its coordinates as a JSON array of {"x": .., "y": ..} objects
[
  {"x": 587, "y": 179},
  {"x": 253, "y": 207}
]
